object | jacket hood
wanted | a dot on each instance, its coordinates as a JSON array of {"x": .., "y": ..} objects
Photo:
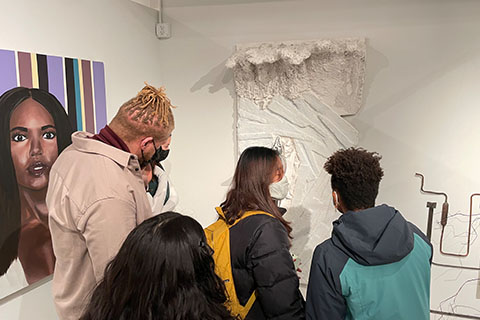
[{"x": 375, "y": 236}]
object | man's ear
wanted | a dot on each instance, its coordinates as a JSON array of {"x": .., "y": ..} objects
[
  {"x": 335, "y": 199},
  {"x": 145, "y": 141}
]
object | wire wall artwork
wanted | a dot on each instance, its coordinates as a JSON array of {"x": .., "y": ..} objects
[
  {"x": 295, "y": 94},
  {"x": 453, "y": 236}
]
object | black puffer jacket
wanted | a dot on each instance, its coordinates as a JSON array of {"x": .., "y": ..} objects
[{"x": 259, "y": 248}]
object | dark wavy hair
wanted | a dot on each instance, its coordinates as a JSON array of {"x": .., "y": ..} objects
[
  {"x": 164, "y": 270},
  {"x": 250, "y": 187},
  {"x": 356, "y": 175},
  {"x": 10, "y": 221}
]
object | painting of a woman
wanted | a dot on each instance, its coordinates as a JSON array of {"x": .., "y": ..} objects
[{"x": 34, "y": 129}]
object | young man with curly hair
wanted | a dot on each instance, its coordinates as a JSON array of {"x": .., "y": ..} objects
[{"x": 376, "y": 265}]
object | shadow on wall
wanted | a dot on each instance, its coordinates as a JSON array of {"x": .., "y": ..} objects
[
  {"x": 218, "y": 78},
  {"x": 455, "y": 54},
  {"x": 376, "y": 62}
]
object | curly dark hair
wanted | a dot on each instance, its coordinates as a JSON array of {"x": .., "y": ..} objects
[
  {"x": 356, "y": 174},
  {"x": 163, "y": 271}
]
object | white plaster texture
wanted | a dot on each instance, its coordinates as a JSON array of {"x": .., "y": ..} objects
[
  {"x": 332, "y": 69},
  {"x": 297, "y": 92},
  {"x": 309, "y": 132}
]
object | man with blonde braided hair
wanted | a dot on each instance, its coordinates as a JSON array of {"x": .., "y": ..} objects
[{"x": 96, "y": 194}]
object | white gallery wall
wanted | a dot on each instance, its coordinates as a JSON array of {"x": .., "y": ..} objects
[
  {"x": 117, "y": 32},
  {"x": 420, "y": 101}
]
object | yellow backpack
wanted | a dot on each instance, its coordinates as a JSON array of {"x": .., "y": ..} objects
[{"x": 218, "y": 238}]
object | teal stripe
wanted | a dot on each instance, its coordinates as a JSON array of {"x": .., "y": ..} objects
[
  {"x": 78, "y": 98},
  {"x": 399, "y": 290}
]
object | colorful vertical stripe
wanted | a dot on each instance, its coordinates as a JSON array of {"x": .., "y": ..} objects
[
  {"x": 78, "y": 96},
  {"x": 56, "y": 79},
  {"x": 8, "y": 70},
  {"x": 25, "y": 69},
  {"x": 34, "y": 64},
  {"x": 42, "y": 71},
  {"x": 70, "y": 84},
  {"x": 78, "y": 84},
  {"x": 88, "y": 96},
  {"x": 100, "y": 98}
]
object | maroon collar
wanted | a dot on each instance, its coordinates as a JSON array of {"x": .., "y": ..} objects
[{"x": 106, "y": 135}]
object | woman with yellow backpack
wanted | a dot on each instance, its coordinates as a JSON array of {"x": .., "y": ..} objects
[{"x": 251, "y": 243}]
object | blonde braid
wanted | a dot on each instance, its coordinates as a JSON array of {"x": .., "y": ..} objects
[
  {"x": 149, "y": 113},
  {"x": 151, "y": 98}
]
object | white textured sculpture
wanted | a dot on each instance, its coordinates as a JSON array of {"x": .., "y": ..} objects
[
  {"x": 298, "y": 91},
  {"x": 332, "y": 69}
]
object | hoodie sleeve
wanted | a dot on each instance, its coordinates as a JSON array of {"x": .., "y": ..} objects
[
  {"x": 416, "y": 230},
  {"x": 275, "y": 275},
  {"x": 324, "y": 294}
]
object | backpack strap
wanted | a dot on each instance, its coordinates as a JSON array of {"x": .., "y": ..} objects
[
  {"x": 220, "y": 213},
  {"x": 249, "y": 303},
  {"x": 241, "y": 311},
  {"x": 245, "y": 215}
]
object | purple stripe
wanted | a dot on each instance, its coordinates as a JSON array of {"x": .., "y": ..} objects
[
  {"x": 25, "y": 69},
  {"x": 87, "y": 96},
  {"x": 8, "y": 71},
  {"x": 56, "y": 84},
  {"x": 100, "y": 99}
]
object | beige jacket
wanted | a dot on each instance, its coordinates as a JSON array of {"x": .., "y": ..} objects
[{"x": 95, "y": 197}]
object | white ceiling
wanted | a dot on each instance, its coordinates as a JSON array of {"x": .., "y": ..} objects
[
  {"x": 193, "y": 3},
  {"x": 187, "y": 3}
]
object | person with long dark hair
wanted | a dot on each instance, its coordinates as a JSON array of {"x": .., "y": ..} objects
[
  {"x": 164, "y": 270},
  {"x": 34, "y": 129},
  {"x": 259, "y": 244}
]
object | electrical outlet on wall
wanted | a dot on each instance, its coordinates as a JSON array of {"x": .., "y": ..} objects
[{"x": 163, "y": 30}]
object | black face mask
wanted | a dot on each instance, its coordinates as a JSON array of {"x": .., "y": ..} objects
[
  {"x": 146, "y": 162},
  {"x": 160, "y": 155},
  {"x": 143, "y": 162}
]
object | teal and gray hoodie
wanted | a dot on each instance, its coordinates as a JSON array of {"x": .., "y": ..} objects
[{"x": 376, "y": 265}]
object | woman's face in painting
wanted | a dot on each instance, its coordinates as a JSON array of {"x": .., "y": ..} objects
[{"x": 33, "y": 144}]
